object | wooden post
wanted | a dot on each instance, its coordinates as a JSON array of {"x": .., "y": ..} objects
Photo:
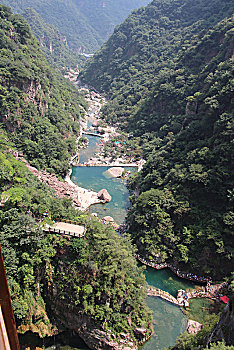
[{"x": 6, "y": 308}]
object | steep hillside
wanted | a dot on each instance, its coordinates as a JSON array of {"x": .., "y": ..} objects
[
  {"x": 168, "y": 72},
  {"x": 39, "y": 109},
  {"x": 217, "y": 337},
  {"x": 185, "y": 209},
  {"x": 52, "y": 43},
  {"x": 127, "y": 66},
  {"x": 90, "y": 285},
  {"x": 85, "y": 24}
]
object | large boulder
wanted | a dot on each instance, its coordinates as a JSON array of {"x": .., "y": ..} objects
[
  {"x": 194, "y": 327},
  {"x": 104, "y": 195},
  {"x": 108, "y": 219},
  {"x": 116, "y": 171}
]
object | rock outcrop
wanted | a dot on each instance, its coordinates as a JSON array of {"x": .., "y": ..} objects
[
  {"x": 92, "y": 334},
  {"x": 61, "y": 189},
  {"x": 108, "y": 219},
  {"x": 104, "y": 195},
  {"x": 116, "y": 171},
  {"x": 224, "y": 329},
  {"x": 194, "y": 327}
]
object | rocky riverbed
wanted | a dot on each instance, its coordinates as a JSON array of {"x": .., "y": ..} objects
[{"x": 81, "y": 197}]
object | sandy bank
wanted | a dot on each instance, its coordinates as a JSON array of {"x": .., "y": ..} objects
[
  {"x": 85, "y": 197},
  {"x": 81, "y": 197}
]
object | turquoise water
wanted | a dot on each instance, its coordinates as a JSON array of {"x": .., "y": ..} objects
[
  {"x": 93, "y": 147},
  {"x": 169, "y": 321},
  {"x": 166, "y": 280},
  {"x": 97, "y": 178}
]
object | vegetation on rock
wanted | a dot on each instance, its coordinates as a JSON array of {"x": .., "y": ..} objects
[
  {"x": 52, "y": 43},
  {"x": 97, "y": 275},
  {"x": 38, "y": 107},
  {"x": 184, "y": 211},
  {"x": 168, "y": 72},
  {"x": 148, "y": 43},
  {"x": 84, "y": 24}
]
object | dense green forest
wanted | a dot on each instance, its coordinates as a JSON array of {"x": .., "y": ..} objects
[
  {"x": 185, "y": 203},
  {"x": 85, "y": 24},
  {"x": 96, "y": 277},
  {"x": 52, "y": 43},
  {"x": 38, "y": 107},
  {"x": 168, "y": 72},
  {"x": 127, "y": 65}
]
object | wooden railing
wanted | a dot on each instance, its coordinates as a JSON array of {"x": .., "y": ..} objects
[
  {"x": 8, "y": 333},
  {"x": 64, "y": 232},
  {"x": 55, "y": 230}
]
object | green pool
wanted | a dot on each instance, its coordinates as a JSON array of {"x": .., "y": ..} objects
[
  {"x": 169, "y": 321},
  {"x": 97, "y": 178}
]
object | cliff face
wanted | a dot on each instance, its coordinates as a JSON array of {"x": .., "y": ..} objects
[
  {"x": 39, "y": 108},
  {"x": 224, "y": 329},
  {"x": 92, "y": 334},
  {"x": 53, "y": 44},
  {"x": 143, "y": 47},
  {"x": 97, "y": 301},
  {"x": 91, "y": 284}
]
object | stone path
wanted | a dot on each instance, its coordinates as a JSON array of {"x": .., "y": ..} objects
[
  {"x": 210, "y": 292},
  {"x": 186, "y": 275}
]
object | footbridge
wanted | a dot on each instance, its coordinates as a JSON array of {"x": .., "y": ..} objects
[
  {"x": 156, "y": 292},
  {"x": 92, "y": 133}
]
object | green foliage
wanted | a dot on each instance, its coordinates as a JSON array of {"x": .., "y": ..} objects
[
  {"x": 194, "y": 342},
  {"x": 52, "y": 43},
  {"x": 171, "y": 86},
  {"x": 219, "y": 346},
  {"x": 38, "y": 107},
  {"x": 189, "y": 154},
  {"x": 84, "y": 25},
  {"x": 98, "y": 275},
  {"x": 102, "y": 279},
  {"x": 145, "y": 49}
]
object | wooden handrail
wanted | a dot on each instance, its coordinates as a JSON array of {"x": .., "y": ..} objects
[
  {"x": 6, "y": 307},
  {"x": 64, "y": 232}
]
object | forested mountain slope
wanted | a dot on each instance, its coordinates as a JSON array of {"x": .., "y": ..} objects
[
  {"x": 95, "y": 280},
  {"x": 52, "y": 43},
  {"x": 39, "y": 109},
  {"x": 91, "y": 285},
  {"x": 185, "y": 208},
  {"x": 86, "y": 24},
  {"x": 184, "y": 211},
  {"x": 126, "y": 67},
  {"x": 168, "y": 71}
]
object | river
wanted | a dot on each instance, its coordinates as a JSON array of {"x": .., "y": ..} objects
[{"x": 169, "y": 321}]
